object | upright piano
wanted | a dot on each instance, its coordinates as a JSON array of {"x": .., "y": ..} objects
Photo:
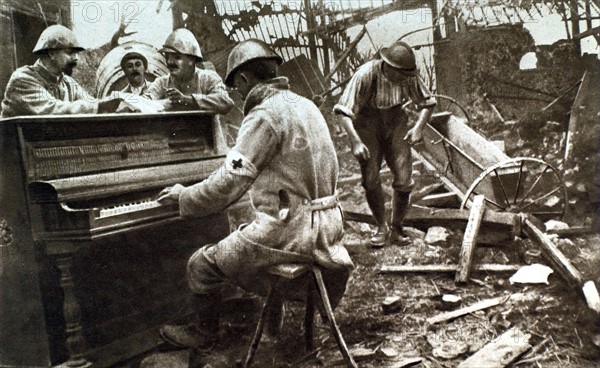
[{"x": 90, "y": 263}]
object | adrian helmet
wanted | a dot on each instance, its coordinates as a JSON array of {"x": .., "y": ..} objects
[
  {"x": 246, "y": 51},
  {"x": 56, "y": 37},
  {"x": 134, "y": 55},
  {"x": 401, "y": 56},
  {"x": 182, "y": 41}
]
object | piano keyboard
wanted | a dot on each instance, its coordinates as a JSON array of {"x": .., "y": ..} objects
[{"x": 128, "y": 207}]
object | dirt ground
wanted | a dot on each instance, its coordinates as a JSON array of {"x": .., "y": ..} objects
[{"x": 553, "y": 317}]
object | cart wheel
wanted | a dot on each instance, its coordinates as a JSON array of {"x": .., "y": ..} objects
[
  {"x": 522, "y": 185},
  {"x": 444, "y": 104}
]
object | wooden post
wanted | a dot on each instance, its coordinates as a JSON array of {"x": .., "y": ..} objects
[
  {"x": 467, "y": 249},
  {"x": 344, "y": 56},
  {"x": 311, "y": 25},
  {"x": 573, "y": 123},
  {"x": 574, "y": 13}
]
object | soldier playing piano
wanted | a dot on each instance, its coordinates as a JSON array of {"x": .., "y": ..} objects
[
  {"x": 285, "y": 158},
  {"x": 46, "y": 87},
  {"x": 188, "y": 87}
]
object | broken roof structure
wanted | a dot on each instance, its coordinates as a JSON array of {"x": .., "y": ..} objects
[{"x": 318, "y": 30}]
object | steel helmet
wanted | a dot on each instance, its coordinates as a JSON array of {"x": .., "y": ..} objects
[
  {"x": 401, "y": 56},
  {"x": 56, "y": 37},
  {"x": 182, "y": 41},
  {"x": 134, "y": 55},
  {"x": 247, "y": 51}
]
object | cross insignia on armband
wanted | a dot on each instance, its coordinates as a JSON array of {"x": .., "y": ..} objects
[{"x": 237, "y": 164}]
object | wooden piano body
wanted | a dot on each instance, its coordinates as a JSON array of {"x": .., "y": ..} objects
[{"x": 90, "y": 264}]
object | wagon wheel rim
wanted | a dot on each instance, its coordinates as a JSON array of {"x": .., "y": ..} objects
[
  {"x": 443, "y": 104},
  {"x": 536, "y": 187},
  {"x": 453, "y": 107}
]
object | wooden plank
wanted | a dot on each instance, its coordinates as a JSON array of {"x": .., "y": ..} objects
[
  {"x": 496, "y": 227},
  {"x": 563, "y": 265},
  {"x": 484, "y": 304},
  {"x": 446, "y": 268},
  {"x": 469, "y": 242},
  {"x": 443, "y": 200},
  {"x": 500, "y": 352},
  {"x": 556, "y": 257},
  {"x": 573, "y": 231},
  {"x": 573, "y": 120},
  {"x": 417, "y": 195},
  {"x": 447, "y": 183}
]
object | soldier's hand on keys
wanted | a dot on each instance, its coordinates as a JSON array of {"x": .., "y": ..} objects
[{"x": 170, "y": 194}]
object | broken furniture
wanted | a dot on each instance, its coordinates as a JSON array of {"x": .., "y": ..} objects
[
  {"x": 315, "y": 284},
  {"x": 474, "y": 165},
  {"x": 496, "y": 192}
]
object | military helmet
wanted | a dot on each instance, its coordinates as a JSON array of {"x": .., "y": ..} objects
[
  {"x": 182, "y": 41},
  {"x": 246, "y": 51},
  {"x": 401, "y": 56},
  {"x": 134, "y": 55},
  {"x": 56, "y": 37}
]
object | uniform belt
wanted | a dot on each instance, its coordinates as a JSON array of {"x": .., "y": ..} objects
[{"x": 323, "y": 203}]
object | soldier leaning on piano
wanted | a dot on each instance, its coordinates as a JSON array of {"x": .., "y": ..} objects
[
  {"x": 188, "y": 87},
  {"x": 46, "y": 87},
  {"x": 286, "y": 160}
]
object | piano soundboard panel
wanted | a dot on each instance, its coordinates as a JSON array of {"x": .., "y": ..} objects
[{"x": 63, "y": 158}]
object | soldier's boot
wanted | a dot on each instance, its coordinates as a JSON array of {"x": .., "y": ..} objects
[
  {"x": 376, "y": 201},
  {"x": 400, "y": 205},
  {"x": 203, "y": 331}
]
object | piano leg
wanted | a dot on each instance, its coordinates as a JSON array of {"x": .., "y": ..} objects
[{"x": 76, "y": 344}]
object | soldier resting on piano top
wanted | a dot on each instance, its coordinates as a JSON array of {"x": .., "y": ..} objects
[
  {"x": 188, "y": 87},
  {"x": 285, "y": 158},
  {"x": 46, "y": 87}
]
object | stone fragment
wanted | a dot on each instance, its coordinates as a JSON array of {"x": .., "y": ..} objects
[{"x": 437, "y": 235}]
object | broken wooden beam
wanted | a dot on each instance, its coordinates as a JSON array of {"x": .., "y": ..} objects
[
  {"x": 500, "y": 352},
  {"x": 573, "y": 231},
  {"x": 417, "y": 195},
  {"x": 496, "y": 227},
  {"x": 344, "y": 56},
  {"x": 484, "y": 304},
  {"x": 445, "y": 268},
  {"x": 443, "y": 200},
  {"x": 467, "y": 249},
  {"x": 562, "y": 264}
]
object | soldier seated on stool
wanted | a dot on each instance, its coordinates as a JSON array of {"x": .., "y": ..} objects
[{"x": 286, "y": 159}]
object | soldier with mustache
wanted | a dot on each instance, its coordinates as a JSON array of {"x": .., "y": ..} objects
[
  {"x": 46, "y": 87},
  {"x": 188, "y": 87}
]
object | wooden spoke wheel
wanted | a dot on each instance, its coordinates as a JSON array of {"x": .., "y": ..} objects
[
  {"x": 521, "y": 185},
  {"x": 444, "y": 104}
]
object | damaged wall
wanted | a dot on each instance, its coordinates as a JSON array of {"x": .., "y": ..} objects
[{"x": 486, "y": 60}]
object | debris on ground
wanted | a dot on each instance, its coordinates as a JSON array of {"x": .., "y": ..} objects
[{"x": 500, "y": 352}]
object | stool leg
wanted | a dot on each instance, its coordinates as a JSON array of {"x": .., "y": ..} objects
[
  {"x": 259, "y": 329},
  {"x": 331, "y": 319},
  {"x": 309, "y": 318}
]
